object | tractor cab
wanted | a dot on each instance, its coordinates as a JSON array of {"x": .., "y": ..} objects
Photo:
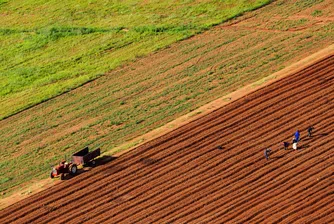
[{"x": 62, "y": 168}]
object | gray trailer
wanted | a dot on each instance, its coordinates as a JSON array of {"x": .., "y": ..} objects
[{"x": 84, "y": 156}]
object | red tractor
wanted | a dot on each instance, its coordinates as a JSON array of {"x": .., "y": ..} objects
[
  {"x": 62, "y": 168},
  {"x": 79, "y": 158}
]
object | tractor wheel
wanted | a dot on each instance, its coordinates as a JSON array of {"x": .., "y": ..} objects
[
  {"x": 73, "y": 169},
  {"x": 93, "y": 162},
  {"x": 51, "y": 175},
  {"x": 62, "y": 176}
]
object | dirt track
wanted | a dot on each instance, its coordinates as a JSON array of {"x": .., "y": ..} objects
[{"x": 183, "y": 177}]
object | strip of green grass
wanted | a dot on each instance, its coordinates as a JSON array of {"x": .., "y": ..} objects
[{"x": 48, "y": 48}]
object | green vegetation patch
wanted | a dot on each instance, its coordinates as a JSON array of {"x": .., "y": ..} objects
[
  {"x": 317, "y": 13},
  {"x": 48, "y": 48}
]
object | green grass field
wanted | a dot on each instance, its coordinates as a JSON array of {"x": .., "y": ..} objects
[{"x": 48, "y": 47}]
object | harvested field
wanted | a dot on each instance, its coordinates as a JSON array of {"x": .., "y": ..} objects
[{"x": 182, "y": 177}]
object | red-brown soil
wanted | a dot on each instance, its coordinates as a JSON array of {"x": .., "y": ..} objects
[{"x": 182, "y": 177}]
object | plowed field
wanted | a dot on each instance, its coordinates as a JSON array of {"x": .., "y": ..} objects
[{"x": 182, "y": 177}]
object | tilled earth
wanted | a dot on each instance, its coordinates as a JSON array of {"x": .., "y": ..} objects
[
  {"x": 184, "y": 177},
  {"x": 152, "y": 91}
]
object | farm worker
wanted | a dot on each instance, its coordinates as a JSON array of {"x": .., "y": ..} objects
[
  {"x": 267, "y": 153},
  {"x": 285, "y": 145},
  {"x": 309, "y": 131},
  {"x": 294, "y": 145},
  {"x": 297, "y": 136},
  {"x": 294, "y": 140}
]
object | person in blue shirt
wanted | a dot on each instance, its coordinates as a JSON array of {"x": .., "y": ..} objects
[{"x": 297, "y": 136}]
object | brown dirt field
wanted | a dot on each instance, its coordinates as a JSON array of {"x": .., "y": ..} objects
[
  {"x": 161, "y": 87},
  {"x": 182, "y": 177}
]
